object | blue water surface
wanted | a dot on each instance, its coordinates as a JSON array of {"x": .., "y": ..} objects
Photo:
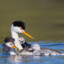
[{"x": 7, "y": 59}]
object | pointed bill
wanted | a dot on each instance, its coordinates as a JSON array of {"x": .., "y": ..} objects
[
  {"x": 27, "y": 34},
  {"x": 14, "y": 47}
]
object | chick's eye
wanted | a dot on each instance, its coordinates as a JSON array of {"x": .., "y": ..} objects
[
  {"x": 11, "y": 44},
  {"x": 20, "y": 28}
]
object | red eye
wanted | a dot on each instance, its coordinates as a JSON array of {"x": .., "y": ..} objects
[
  {"x": 20, "y": 28},
  {"x": 11, "y": 44}
]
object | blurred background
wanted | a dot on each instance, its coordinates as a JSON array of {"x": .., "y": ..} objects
[{"x": 44, "y": 18}]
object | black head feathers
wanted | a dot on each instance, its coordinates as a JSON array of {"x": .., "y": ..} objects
[
  {"x": 19, "y": 24},
  {"x": 9, "y": 39}
]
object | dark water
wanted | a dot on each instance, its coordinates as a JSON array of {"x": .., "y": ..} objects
[{"x": 7, "y": 59}]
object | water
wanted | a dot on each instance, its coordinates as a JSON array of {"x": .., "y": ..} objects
[{"x": 7, "y": 59}]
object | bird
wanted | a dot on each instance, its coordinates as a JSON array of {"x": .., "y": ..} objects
[
  {"x": 19, "y": 27},
  {"x": 24, "y": 43},
  {"x": 8, "y": 46}
]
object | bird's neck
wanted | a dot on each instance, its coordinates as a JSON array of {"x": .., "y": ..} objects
[{"x": 16, "y": 37}]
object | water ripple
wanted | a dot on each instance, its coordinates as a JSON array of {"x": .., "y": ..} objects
[{"x": 7, "y": 59}]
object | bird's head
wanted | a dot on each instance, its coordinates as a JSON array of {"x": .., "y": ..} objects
[
  {"x": 11, "y": 45},
  {"x": 19, "y": 27}
]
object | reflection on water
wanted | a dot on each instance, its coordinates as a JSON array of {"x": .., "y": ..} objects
[
  {"x": 22, "y": 58},
  {"x": 7, "y": 59}
]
